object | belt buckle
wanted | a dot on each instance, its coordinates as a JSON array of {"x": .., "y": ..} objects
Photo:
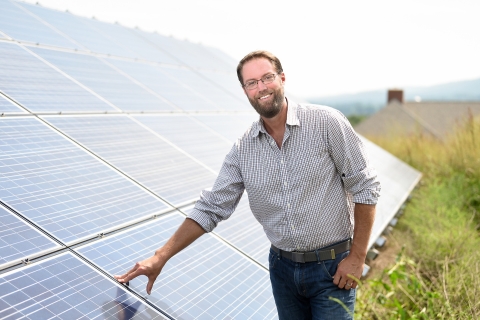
[{"x": 298, "y": 257}]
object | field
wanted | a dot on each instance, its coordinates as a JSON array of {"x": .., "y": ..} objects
[{"x": 436, "y": 273}]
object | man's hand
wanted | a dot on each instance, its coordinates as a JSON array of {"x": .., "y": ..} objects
[
  {"x": 349, "y": 269},
  {"x": 150, "y": 267},
  {"x": 187, "y": 233}
]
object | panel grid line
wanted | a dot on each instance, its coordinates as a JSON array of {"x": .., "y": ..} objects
[
  {"x": 71, "y": 78},
  {"x": 47, "y": 24}
]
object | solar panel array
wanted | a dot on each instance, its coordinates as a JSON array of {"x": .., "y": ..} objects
[{"x": 108, "y": 135}]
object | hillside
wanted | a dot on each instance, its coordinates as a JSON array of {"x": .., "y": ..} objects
[{"x": 368, "y": 102}]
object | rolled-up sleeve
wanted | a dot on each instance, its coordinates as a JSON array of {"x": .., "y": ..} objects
[
  {"x": 349, "y": 155},
  {"x": 219, "y": 203}
]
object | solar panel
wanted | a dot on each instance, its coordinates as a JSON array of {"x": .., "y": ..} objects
[
  {"x": 20, "y": 25},
  {"x": 191, "y": 136},
  {"x": 244, "y": 232},
  {"x": 200, "y": 57},
  {"x": 155, "y": 78},
  {"x": 231, "y": 64},
  {"x": 229, "y": 82},
  {"x": 39, "y": 87},
  {"x": 141, "y": 154},
  {"x": 62, "y": 188},
  {"x": 141, "y": 48},
  {"x": 192, "y": 55},
  {"x": 19, "y": 241},
  {"x": 106, "y": 81},
  {"x": 77, "y": 29},
  {"x": 397, "y": 178},
  {"x": 207, "y": 280},
  {"x": 73, "y": 177},
  {"x": 217, "y": 95},
  {"x": 231, "y": 126},
  {"x": 63, "y": 287},
  {"x": 6, "y": 106}
]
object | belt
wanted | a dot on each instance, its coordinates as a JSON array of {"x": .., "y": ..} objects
[{"x": 318, "y": 255}]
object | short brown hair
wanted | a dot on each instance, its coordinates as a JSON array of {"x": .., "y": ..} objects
[{"x": 259, "y": 54}]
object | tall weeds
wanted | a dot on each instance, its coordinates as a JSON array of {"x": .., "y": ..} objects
[{"x": 436, "y": 275}]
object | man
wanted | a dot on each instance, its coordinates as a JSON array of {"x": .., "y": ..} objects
[{"x": 309, "y": 185}]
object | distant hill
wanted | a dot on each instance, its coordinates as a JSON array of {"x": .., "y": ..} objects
[{"x": 368, "y": 102}]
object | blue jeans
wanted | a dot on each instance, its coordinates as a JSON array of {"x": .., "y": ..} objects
[{"x": 302, "y": 290}]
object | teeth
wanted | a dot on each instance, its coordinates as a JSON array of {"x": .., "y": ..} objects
[{"x": 264, "y": 97}]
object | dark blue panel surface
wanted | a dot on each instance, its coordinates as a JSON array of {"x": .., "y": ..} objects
[
  {"x": 18, "y": 240},
  {"x": 190, "y": 135},
  {"x": 106, "y": 81},
  {"x": 63, "y": 287},
  {"x": 61, "y": 187},
  {"x": 140, "y": 153},
  {"x": 208, "y": 280},
  {"x": 20, "y": 25},
  {"x": 39, "y": 87}
]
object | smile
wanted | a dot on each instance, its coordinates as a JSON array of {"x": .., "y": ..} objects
[{"x": 265, "y": 97}]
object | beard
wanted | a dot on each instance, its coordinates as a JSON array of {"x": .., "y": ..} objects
[{"x": 271, "y": 108}]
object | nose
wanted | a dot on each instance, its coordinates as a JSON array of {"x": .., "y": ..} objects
[{"x": 261, "y": 86}]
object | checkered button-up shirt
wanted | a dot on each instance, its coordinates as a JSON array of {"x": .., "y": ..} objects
[{"x": 301, "y": 193}]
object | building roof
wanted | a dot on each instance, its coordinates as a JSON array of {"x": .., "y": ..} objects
[{"x": 433, "y": 118}]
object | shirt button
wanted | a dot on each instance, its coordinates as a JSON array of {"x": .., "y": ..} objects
[
  {"x": 288, "y": 205},
  {"x": 285, "y": 183},
  {"x": 281, "y": 162},
  {"x": 293, "y": 228}
]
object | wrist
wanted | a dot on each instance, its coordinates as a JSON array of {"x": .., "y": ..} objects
[
  {"x": 161, "y": 254},
  {"x": 358, "y": 253}
]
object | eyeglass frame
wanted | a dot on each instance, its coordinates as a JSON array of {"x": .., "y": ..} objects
[{"x": 261, "y": 79}]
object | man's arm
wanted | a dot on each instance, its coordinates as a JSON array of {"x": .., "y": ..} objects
[
  {"x": 364, "y": 216},
  {"x": 188, "y": 232}
]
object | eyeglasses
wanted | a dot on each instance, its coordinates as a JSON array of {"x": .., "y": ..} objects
[{"x": 266, "y": 79}]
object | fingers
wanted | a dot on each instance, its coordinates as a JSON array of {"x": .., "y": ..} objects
[
  {"x": 150, "y": 285},
  {"x": 345, "y": 277},
  {"x": 129, "y": 275},
  {"x": 346, "y": 283}
]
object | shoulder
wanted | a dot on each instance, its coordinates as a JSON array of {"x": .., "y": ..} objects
[
  {"x": 318, "y": 110},
  {"x": 320, "y": 114},
  {"x": 249, "y": 135}
]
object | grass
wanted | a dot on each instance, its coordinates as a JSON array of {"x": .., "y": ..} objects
[
  {"x": 437, "y": 273},
  {"x": 356, "y": 118}
]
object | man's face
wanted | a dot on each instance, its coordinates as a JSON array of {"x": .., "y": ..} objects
[{"x": 267, "y": 99}]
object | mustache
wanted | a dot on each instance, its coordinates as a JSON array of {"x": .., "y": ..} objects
[{"x": 262, "y": 93}]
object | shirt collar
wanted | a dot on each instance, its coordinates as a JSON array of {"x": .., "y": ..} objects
[{"x": 292, "y": 119}]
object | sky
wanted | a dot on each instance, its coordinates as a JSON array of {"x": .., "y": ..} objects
[{"x": 326, "y": 47}]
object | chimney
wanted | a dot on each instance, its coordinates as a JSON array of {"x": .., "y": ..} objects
[{"x": 395, "y": 94}]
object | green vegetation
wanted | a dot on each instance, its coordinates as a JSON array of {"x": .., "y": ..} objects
[
  {"x": 437, "y": 273},
  {"x": 356, "y": 119}
]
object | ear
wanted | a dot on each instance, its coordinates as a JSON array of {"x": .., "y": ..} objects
[{"x": 282, "y": 77}]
